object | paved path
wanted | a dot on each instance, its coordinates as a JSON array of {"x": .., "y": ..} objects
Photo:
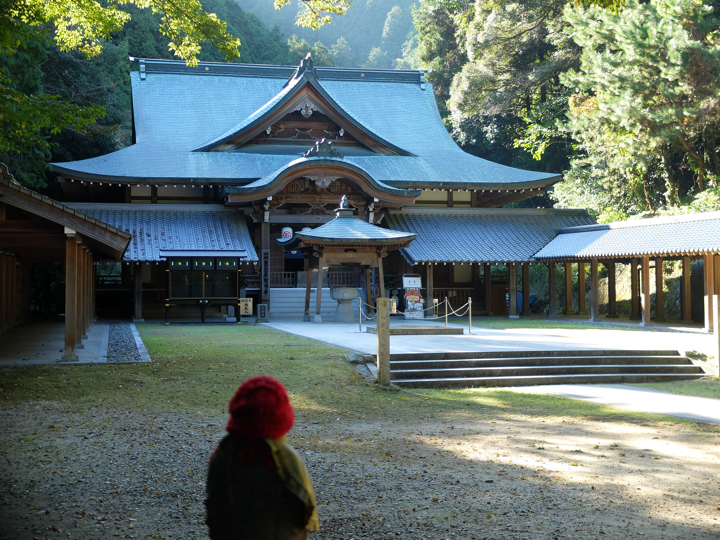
[
  {"x": 629, "y": 397},
  {"x": 635, "y": 398}
]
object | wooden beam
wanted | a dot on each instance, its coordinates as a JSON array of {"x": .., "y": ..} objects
[
  {"x": 594, "y": 291},
  {"x": 553, "y": 313},
  {"x": 709, "y": 286},
  {"x": 659, "y": 290},
  {"x": 70, "y": 354},
  {"x": 381, "y": 276},
  {"x": 318, "y": 295},
  {"x": 429, "y": 290},
  {"x": 4, "y": 292},
  {"x": 308, "y": 287},
  {"x": 645, "y": 297},
  {"x": 685, "y": 291},
  {"x": 612, "y": 289},
  {"x": 568, "y": 290},
  {"x": 137, "y": 311},
  {"x": 582, "y": 308},
  {"x": 488, "y": 288},
  {"x": 512, "y": 290},
  {"x": 634, "y": 291},
  {"x": 266, "y": 265},
  {"x": 292, "y": 219},
  {"x": 526, "y": 288}
]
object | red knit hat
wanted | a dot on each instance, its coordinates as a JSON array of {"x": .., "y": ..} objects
[{"x": 260, "y": 409}]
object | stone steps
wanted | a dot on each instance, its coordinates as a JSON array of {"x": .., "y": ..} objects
[
  {"x": 520, "y": 368},
  {"x": 290, "y": 303}
]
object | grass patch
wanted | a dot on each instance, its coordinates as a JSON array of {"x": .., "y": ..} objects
[
  {"x": 198, "y": 368},
  {"x": 707, "y": 388}
]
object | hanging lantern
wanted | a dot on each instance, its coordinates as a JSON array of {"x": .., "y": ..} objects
[{"x": 287, "y": 233}]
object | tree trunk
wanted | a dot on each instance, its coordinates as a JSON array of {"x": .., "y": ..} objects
[
  {"x": 672, "y": 187},
  {"x": 698, "y": 159}
]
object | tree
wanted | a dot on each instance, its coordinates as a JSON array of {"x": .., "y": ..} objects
[
  {"x": 342, "y": 53},
  {"x": 377, "y": 59},
  {"x": 646, "y": 100},
  {"x": 299, "y": 48}
]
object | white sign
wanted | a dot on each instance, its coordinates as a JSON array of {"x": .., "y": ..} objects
[{"x": 412, "y": 281}]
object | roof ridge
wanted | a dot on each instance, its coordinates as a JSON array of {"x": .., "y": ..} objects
[
  {"x": 149, "y": 207},
  {"x": 646, "y": 222},
  {"x": 430, "y": 210}
]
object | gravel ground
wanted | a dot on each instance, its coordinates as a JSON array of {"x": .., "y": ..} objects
[
  {"x": 106, "y": 474},
  {"x": 121, "y": 344}
]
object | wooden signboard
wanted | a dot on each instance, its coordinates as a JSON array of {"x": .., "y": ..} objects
[{"x": 246, "y": 307}]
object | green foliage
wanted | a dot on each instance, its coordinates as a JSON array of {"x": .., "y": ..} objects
[
  {"x": 316, "y": 13},
  {"x": 645, "y": 103},
  {"x": 342, "y": 53},
  {"x": 299, "y": 48},
  {"x": 377, "y": 59}
]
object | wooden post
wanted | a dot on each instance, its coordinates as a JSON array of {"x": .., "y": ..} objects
[
  {"x": 512, "y": 290},
  {"x": 469, "y": 315},
  {"x": 266, "y": 266},
  {"x": 80, "y": 296},
  {"x": 4, "y": 291},
  {"x": 308, "y": 288},
  {"x": 70, "y": 354},
  {"x": 429, "y": 286},
  {"x": 553, "y": 313},
  {"x": 318, "y": 293},
  {"x": 383, "y": 341},
  {"x": 488, "y": 288},
  {"x": 685, "y": 293},
  {"x": 634, "y": 291},
  {"x": 709, "y": 282},
  {"x": 568, "y": 289},
  {"x": 86, "y": 293},
  {"x": 137, "y": 312},
  {"x": 582, "y": 308},
  {"x": 645, "y": 298},
  {"x": 526, "y": 289},
  {"x": 659, "y": 292},
  {"x": 716, "y": 338},
  {"x": 594, "y": 291},
  {"x": 381, "y": 275},
  {"x": 368, "y": 290},
  {"x": 612, "y": 290}
]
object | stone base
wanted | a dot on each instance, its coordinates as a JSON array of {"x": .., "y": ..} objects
[
  {"x": 79, "y": 346},
  {"x": 70, "y": 358},
  {"x": 306, "y": 317},
  {"x": 317, "y": 318},
  {"x": 138, "y": 320},
  {"x": 513, "y": 316}
]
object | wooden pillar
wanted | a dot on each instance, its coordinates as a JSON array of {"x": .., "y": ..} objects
[
  {"x": 553, "y": 313},
  {"x": 93, "y": 277},
  {"x": 568, "y": 289},
  {"x": 612, "y": 290},
  {"x": 526, "y": 289},
  {"x": 86, "y": 293},
  {"x": 137, "y": 312},
  {"x": 383, "y": 341},
  {"x": 659, "y": 292},
  {"x": 265, "y": 268},
  {"x": 512, "y": 290},
  {"x": 488, "y": 288},
  {"x": 79, "y": 292},
  {"x": 634, "y": 291},
  {"x": 308, "y": 288},
  {"x": 429, "y": 290},
  {"x": 716, "y": 336},
  {"x": 582, "y": 308},
  {"x": 685, "y": 292},
  {"x": 709, "y": 286},
  {"x": 70, "y": 354},
  {"x": 645, "y": 298},
  {"x": 381, "y": 275},
  {"x": 4, "y": 292},
  {"x": 318, "y": 295},
  {"x": 594, "y": 291},
  {"x": 368, "y": 288}
]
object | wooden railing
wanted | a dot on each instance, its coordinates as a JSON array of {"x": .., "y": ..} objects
[
  {"x": 283, "y": 279},
  {"x": 457, "y": 297},
  {"x": 343, "y": 278}
]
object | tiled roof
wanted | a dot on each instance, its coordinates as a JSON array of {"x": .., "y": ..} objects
[
  {"x": 676, "y": 235},
  {"x": 156, "y": 227},
  {"x": 213, "y": 99},
  {"x": 481, "y": 235},
  {"x": 354, "y": 230}
]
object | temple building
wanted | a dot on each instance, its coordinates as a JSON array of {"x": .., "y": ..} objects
[{"x": 233, "y": 167}]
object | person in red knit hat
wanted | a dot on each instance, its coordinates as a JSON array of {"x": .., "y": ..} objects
[{"x": 257, "y": 487}]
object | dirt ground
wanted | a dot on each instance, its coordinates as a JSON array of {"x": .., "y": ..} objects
[{"x": 105, "y": 474}]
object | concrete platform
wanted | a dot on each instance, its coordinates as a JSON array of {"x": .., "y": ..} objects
[
  {"x": 420, "y": 330},
  {"x": 43, "y": 344}
]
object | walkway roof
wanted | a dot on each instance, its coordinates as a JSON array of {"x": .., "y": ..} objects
[
  {"x": 469, "y": 235},
  {"x": 673, "y": 236},
  {"x": 160, "y": 229}
]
